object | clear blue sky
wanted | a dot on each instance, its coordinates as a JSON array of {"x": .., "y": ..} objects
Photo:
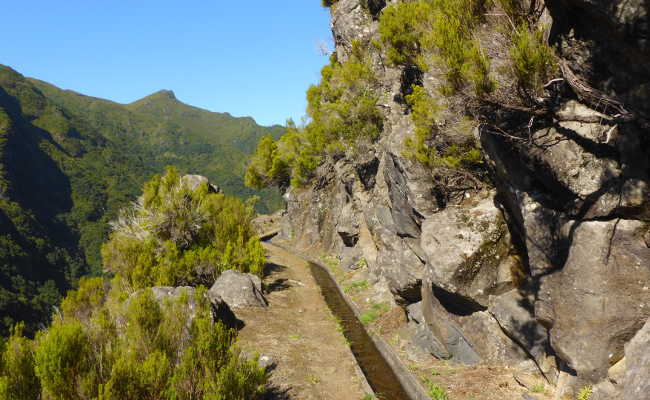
[{"x": 252, "y": 58}]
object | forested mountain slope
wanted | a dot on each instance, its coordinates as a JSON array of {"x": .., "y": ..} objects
[{"x": 68, "y": 162}]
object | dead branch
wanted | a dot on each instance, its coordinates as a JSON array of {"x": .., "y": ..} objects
[{"x": 592, "y": 96}]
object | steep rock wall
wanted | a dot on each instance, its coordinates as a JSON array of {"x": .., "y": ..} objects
[{"x": 547, "y": 266}]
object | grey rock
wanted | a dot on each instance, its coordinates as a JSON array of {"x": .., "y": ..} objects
[
  {"x": 605, "y": 390},
  {"x": 472, "y": 338},
  {"x": 238, "y": 290},
  {"x": 514, "y": 313},
  {"x": 193, "y": 181},
  {"x": 606, "y": 278},
  {"x": 414, "y": 312},
  {"x": 637, "y": 372},
  {"x": 427, "y": 342},
  {"x": 407, "y": 221},
  {"x": 267, "y": 361},
  {"x": 351, "y": 258},
  {"x": 464, "y": 248},
  {"x": 416, "y": 354},
  {"x": 367, "y": 172},
  {"x": 347, "y": 226}
]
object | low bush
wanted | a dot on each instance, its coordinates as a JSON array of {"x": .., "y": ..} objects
[
  {"x": 412, "y": 31},
  {"x": 532, "y": 59},
  {"x": 129, "y": 347},
  {"x": 175, "y": 235}
]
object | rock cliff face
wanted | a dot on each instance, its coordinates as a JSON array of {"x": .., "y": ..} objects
[{"x": 547, "y": 267}]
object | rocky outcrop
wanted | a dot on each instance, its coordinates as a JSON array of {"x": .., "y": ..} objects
[
  {"x": 546, "y": 267},
  {"x": 237, "y": 290},
  {"x": 193, "y": 181}
]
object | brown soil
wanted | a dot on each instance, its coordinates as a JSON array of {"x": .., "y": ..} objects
[{"x": 299, "y": 332}]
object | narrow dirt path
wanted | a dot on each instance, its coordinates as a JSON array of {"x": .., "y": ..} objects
[{"x": 299, "y": 332}]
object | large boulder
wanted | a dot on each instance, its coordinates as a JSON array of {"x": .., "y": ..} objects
[
  {"x": 464, "y": 247},
  {"x": 601, "y": 297},
  {"x": 238, "y": 290},
  {"x": 466, "y": 337}
]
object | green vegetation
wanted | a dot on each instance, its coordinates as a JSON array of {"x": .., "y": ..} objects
[
  {"x": 118, "y": 340},
  {"x": 412, "y": 31},
  {"x": 584, "y": 393},
  {"x": 376, "y": 311},
  {"x": 342, "y": 110},
  {"x": 69, "y": 163},
  {"x": 176, "y": 236},
  {"x": 357, "y": 286},
  {"x": 538, "y": 388},
  {"x": 119, "y": 346},
  {"x": 427, "y": 146},
  {"x": 436, "y": 391},
  {"x": 532, "y": 59}
]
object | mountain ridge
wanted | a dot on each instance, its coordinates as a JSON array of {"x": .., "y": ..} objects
[{"x": 69, "y": 162}]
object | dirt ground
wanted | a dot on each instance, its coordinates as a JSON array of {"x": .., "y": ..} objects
[{"x": 298, "y": 331}]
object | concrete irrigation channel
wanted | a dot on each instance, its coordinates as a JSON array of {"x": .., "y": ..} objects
[{"x": 385, "y": 373}]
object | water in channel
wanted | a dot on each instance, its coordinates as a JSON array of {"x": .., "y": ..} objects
[{"x": 379, "y": 374}]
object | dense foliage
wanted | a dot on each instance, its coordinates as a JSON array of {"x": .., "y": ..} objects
[
  {"x": 123, "y": 339},
  {"x": 423, "y": 32},
  {"x": 69, "y": 162},
  {"x": 342, "y": 109},
  {"x": 532, "y": 59},
  {"x": 176, "y": 235},
  {"x": 435, "y": 150},
  {"x": 109, "y": 345}
]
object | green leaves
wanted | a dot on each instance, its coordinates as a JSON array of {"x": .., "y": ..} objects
[
  {"x": 344, "y": 110},
  {"x": 532, "y": 59},
  {"x": 423, "y": 32},
  {"x": 136, "y": 346},
  {"x": 18, "y": 379},
  {"x": 61, "y": 358}
]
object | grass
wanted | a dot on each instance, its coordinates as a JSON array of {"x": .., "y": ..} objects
[
  {"x": 436, "y": 391},
  {"x": 295, "y": 337},
  {"x": 376, "y": 311},
  {"x": 357, "y": 286}
]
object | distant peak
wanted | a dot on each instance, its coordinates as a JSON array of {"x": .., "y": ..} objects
[
  {"x": 166, "y": 94},
  {"x": 160, "y": 97}
]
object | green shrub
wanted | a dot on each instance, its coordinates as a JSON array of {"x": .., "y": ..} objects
[
  {"x": 584, "y": 393},
  {"x": 514, "y": 9},
  {"x": 436, "y": 391},
  {"x": 401, "y": 29},
  {"x": 176, "y": 236},
  {"x": 18, "y": 380},
  {"x": 424, "y": 110},
  {"x": 130, "y": 347},
  {"x": 342, "y": 110},
  {"x": 532, "y": 59},
  {"x": 430, "y": 150},
  {"x": 410, "y": 31},
  {"x": 61, "y": 360}
]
